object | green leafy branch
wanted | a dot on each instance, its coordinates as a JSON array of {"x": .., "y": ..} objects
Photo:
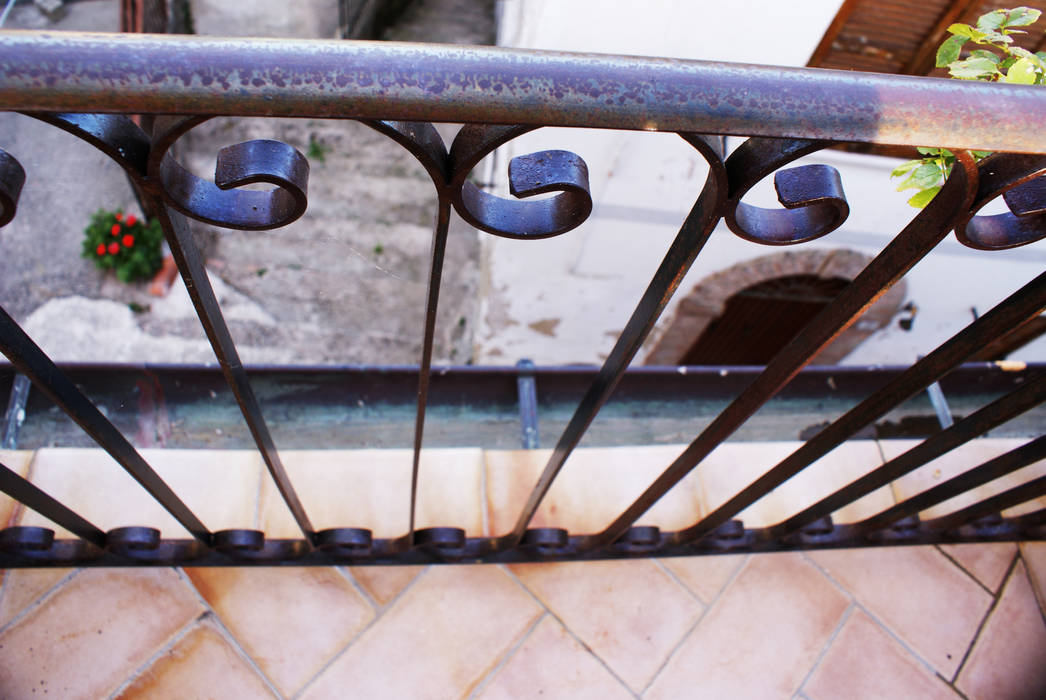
[{"x": 1002, "y": 62}]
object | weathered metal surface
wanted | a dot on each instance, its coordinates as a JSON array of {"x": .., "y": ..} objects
[
  {"x": 399, "y": 90},
  {"x": 374, "y": 407},
  {"x": 255, "y": 77},
  {"x": 528, "y": 405}
]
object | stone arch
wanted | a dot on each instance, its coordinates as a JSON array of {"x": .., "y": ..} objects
[{"x": 707, "y": 300}]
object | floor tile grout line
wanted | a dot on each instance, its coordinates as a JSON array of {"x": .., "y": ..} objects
[
  {"x": 668, "y": 572},
  {"x": 969, "y": 573},
  {"x": 1040, "y": 598},
  {"x": 39, "y": 601},
  {"x": 599, "y": 659},
  {"x": 708, "y": 607},
  {"x": 227, "y": 633},
  {"x": 674, "y": 650},
  {"x": 1010, "y": 571},
  {"x": 410, "y": 584},
  {"x": 378, "y": 616},
  {"x": 346, "y": 573},
  {"x": 505, "y": 658},
  {"x": 926, "y": 664},
  {"x": 879, "y": 623},
  {"x": 177, "y": 636},
  {"x": 843, "y": 589},
  {"x": 843, "y": 619},
  {"x": 1033, "y": 582}
]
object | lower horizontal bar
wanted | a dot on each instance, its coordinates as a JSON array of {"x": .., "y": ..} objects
[{"x": 482, "y": 550}]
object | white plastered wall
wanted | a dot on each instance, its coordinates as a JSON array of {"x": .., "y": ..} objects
[{"x": 564, "y": 300}]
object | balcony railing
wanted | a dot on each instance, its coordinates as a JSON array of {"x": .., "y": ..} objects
[{"x": 87, "y": 84}]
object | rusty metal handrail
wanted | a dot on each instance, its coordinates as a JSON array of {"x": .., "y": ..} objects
[
  {"x": 85, "y": 84},
  {"x": 74, "y": 72}
]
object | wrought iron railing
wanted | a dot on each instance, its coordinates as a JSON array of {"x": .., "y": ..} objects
[{"x": 84, "y": 84}]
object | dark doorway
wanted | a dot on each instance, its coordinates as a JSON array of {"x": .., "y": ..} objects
[{"x": 761, "y": 319}]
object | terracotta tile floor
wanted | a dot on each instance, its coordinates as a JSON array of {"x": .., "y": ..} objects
[{"x": 935, "y": 622}]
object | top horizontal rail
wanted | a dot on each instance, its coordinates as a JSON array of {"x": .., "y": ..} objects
[{"x": 74, "y": 72}]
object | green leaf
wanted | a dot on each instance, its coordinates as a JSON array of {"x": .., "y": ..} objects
[
  {"x": 928, "y": 151},
  {"x": 992, "y": 20},
  {"x": 980, "y": 155},
  {"x": 907, "y": 184},
  {"x": 1022, "y": 17},
  {"x": 993, "y": 39},
  {"x": 949, "y": 51},
  {"x": 981, "y": 53},
  {"x": 927, "y": 175},
  {"x": 972, "y": 67},
  {"x": 1023, "y": 72},
  {"x": 901, "y": 169},
  {"x": 965, "y": 30},
  {"x": 921, "y": 199}
]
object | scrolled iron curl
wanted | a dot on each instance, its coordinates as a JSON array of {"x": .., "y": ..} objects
[
  {"x": 1021, "y": 181},
  {"x": 220, "y": 203},
  {"x": 535, "y": 173},
  {"x": 812, "y": 195},
  {"x": 12, "y": 177},
  {"x": 560, "y": 172}
]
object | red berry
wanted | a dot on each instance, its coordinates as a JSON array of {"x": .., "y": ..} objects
[
  {"x": 115, "y": 230},
  {"x": 101, "y": 249},
  {"x": 114, "y": 248},
  {"x": 131, "y": 220},
  {"x": 118, "y": 216},
  {"x": 128, "y": 241}
]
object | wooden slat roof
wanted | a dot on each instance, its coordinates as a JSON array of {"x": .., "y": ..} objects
[{"x": 902, "y": 36}]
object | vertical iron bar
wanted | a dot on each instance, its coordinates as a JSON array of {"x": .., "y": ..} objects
[
  {"x": 439, "y": 247},
  {"x": 526, "y": 387},
  {"x": 992, "y": 469},
  {"x": 28, "y": 493},
  {"x": 996, "y": 413},
  {"x": 194, "y": 274},
  {"x": 35, "y": 364},
  {"x": 688, "y": 243},
  {"x": 1007, "y": 499},
  {"x": 917, "y": 239},
  {"x": 15, "y": 414},
  {"x": 1025, "y": 303}
]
